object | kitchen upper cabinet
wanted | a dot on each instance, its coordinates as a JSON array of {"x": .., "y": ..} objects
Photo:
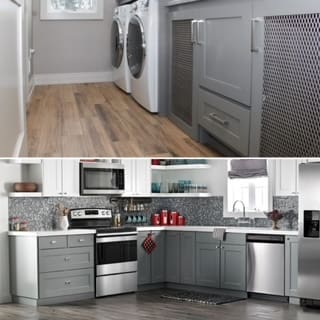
[
  {"x": 187, "y": 258},
  {"x": 286, "y": 177},
  {"x": 291, "y": 266},
  {"x": 173, "y": 256},
  {"x": 224, "y": 49},
  {"x": 137, "y": 177},
  {"x": 60, "y": 177}
]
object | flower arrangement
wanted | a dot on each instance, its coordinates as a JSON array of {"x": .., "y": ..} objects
[{"x": 274, "y": 216}]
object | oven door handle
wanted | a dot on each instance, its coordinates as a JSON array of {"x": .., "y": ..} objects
[
  {"x": 116, "y": 239},
  {"x": 110, "y": 235}
]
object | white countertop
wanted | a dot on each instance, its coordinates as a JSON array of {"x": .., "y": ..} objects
[
  {"x": 52, "y": 233},
  {"x": 228, "y": 229}
]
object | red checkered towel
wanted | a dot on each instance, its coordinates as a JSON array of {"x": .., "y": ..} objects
[{"x": 149, "y": 244}]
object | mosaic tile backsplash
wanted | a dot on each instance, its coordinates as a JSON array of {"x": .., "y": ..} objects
[{"x": 42, "y": 214}]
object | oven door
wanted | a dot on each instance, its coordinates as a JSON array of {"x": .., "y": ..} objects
[
  {"x": 116, "y": 254},
  {"x": 99, "y": 178}
]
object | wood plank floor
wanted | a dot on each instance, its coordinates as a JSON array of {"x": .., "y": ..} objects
[
  {"x": 99, "y": 120},
  {"x": 149, "y": 305}
]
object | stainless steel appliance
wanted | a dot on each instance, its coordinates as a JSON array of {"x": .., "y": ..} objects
[
  {"x": 98, "y": 178},
  {"x": 309, "y": 237},
  {"x": 116, "y": 251},
  {"x": 265, "y": 264}
]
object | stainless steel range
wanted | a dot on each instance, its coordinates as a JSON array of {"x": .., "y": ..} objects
[{"x": 116, "y": 251}]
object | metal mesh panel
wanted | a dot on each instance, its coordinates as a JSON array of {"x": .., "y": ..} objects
[
  {"x": 291, "y": 110},
  {"x": 182, "y": 70}
]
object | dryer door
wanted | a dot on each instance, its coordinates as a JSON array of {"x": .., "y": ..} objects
[
  {"x": 117, "y": 43},
  {"x": 136, "y": 47}
]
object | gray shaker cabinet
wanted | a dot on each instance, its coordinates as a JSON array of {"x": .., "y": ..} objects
[
  {"x": 144, "y": 261},
  {"x": 224, "y": 42},
  {"x": 173, "y": 256},
  {"x": 233, "y": 267},
  {"x": 291, "y": 266},
  {"x": 187, "y": 258},
  {"x": 207, "y": 261},
  {"x": 151, "y": 268}
]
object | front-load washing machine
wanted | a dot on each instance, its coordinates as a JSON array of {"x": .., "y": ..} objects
[
  {"x": 119, "y": 29},
  {"x": 142, "y": 53}
]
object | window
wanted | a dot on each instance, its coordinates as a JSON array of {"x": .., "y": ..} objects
[
  {"x": 253, "y": 192},
  {"x": 72, "y": 9}
]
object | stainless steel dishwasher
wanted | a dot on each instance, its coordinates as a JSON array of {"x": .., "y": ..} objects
[{"x": 265, "y": 264}]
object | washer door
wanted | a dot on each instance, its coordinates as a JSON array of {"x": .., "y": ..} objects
[
  {"x": 117, "y": 43},
  {"x": 136, "y": 47}
]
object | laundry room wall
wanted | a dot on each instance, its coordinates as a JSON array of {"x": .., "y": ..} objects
[{"x": 68, "y": 47}]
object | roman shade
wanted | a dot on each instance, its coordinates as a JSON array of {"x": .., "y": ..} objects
[{"x": 248, "y": 168}]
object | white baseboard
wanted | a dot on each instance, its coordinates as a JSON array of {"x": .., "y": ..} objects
[
  {"x": 70, "y": 78},
  {"x": 4, "y": 300}
]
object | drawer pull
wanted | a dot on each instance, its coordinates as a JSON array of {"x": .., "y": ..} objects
[
  {"x": 67, "y": 282},
  {"x": 215, "y": 117},
  {"x": 82, "y": 240},
  {"x": 67, "y": 259},
  {"x": 53, "y": 242}
]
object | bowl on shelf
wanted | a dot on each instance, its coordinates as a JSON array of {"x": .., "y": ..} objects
[{"x": 25, "y": 187}]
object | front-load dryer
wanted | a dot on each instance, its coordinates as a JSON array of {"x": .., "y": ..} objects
[
  {"x": 142, "y": 53},
  {"x": 119, "y": 29}
]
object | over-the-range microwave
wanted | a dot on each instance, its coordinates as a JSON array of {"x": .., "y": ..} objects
[{"x": 101, "y": 178}]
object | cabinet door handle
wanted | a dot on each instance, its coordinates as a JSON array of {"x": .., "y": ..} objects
[
  {"x": 67, "y": 259},
  {"x": 200, "y": 32},
  {"x": 254, "y": 23},
  {"x": 215, "y": 117},
  {"x": 217, "y": 247},
  {"x": 53, "y": 242},
  {"x": 194, "y": 26},
  {"x": 67, "y": 282}
]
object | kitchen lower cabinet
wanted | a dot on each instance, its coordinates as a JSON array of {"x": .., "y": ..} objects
[
  {"x": 207, "y": 261},
  {"x": 50, "y": 270},
  {"x": 173, "y": 256},
  {"x": 151, "y": 268},
  {"x": 291, "y": 266},
  {"x": 233, "y": 267},
  {"x": 187, "y": 258}
]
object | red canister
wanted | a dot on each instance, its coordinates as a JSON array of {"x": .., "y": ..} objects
[
  {"x": 173, "y": 218},
  {"x": 164, "y": 217},
  {"x": 155, "y": 220},
  {"x": 181, "y": 221}
]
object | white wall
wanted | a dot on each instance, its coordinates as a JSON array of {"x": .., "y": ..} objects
[
  {"x": 8, "y": 175},
  {"x": 72, "y": 46}
]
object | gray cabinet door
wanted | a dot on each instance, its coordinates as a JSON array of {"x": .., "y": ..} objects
[
  {"x": 158, "y": 258},
  {"x": 173, "y": 256},
  {"x": 188, "y": 258},
  {"x": 224, "y": 42},
  {"x": 144, "y": 261},
  {"x": 56, "y": 284},
  {"x": 233, "y": 267},
  {"x": 291, "y": 266},
  {"x": 208, "y": 264}
]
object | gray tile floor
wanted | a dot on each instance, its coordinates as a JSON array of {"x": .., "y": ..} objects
[{"x": 149, "y": 305}]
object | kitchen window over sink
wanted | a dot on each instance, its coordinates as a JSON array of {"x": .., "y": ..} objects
[
  {"x": 248, "y": 186},
  {"x": 72, "y": 9}
]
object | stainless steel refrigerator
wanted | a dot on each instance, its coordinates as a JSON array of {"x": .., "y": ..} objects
[{"x": 309, "y": 238}]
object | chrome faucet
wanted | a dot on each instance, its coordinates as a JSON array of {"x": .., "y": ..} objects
[{"x": 243, "y": 206}]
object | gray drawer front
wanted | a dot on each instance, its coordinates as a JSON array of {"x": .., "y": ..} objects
[
  {"x": 206, "y": 237},
  {"x": 227, "y": 121},
  {"x": 56, "y": 284},
  {"x": 81, "y": 241},
  {"x": 235, "y": 238},
  {"x": 66, "y": 259},
  {"x": 52, "y": 242}
]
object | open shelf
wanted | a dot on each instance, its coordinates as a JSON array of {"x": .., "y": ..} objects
[
  {"x": 181, "y": 195},
  {"x": 25, "y": 194},
  {"x": 182, "y": 167}
]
